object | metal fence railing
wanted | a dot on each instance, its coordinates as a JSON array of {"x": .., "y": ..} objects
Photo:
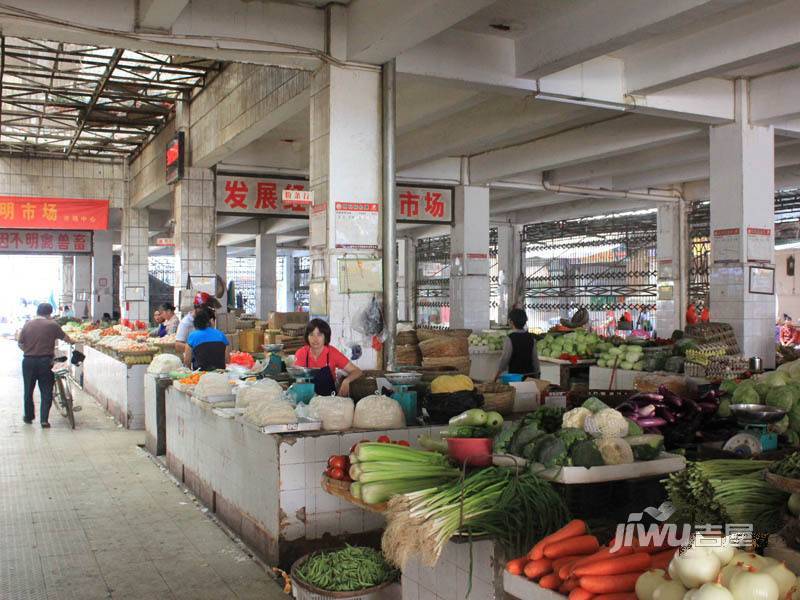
[{"x": 432, "y": 285}]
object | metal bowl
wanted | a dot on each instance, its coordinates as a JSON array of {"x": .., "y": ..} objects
[
  {"x": 299, "y": 371},
  {"x": 757, "y": 414},
  {"x": 273, "y": 347},
  {"x": 403, "y": 378}
]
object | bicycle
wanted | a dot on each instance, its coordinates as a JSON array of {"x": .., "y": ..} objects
[{"x": 62, "y": 394}]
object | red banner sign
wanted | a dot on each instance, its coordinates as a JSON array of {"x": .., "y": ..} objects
[
  {"x": 22, "y": 212},
  {"x": 33, "y": 241}
]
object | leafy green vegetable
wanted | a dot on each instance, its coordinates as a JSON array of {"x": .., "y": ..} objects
[
  {"x": 523, "y": 435},
  {"x": 503, "y": 439},
  {"x": 594, "y": 404},
  {"x": 552, "y": 452},
  {"x": 586, "y": 454},
  {"x": 762, "y": 389},
  {"x": 780, "y": 397},
  {"x": 781, "y": 426},
  {"x": 571, "y": 436},
  {"x": 633, "y": 428},
  {"x": 646, "y": 447},
  {"x": 728, "y": 386},
  {"x": 548, "y": 418},
  {"x": 746, "y": 394}
]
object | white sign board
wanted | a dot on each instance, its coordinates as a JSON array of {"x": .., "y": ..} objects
[
  {"x": 760, "y": 244},
  {"x": 726, "y": 245},
  {"x": 39, "y": 241},
  {"x": 292, "y": 197},
  {"x": 357, "y": 225}
]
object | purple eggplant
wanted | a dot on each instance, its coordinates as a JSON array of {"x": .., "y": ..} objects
[
  {"x": 708, "y": 408},
  {"x": 642, "y": 398},
  {"x": 651, "y": 422},
  {"x": 692, "y": 407},
  {"x": 647, "y": 411},
  {"x": 712, "y": 396},
  {"x": 666, "y": 414},
  {"x": 627, "y": 408}
]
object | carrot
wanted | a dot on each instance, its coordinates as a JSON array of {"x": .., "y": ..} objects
[
  {"x": 604, "y": 584},
  {"x": 536, "y": 568},
  {"x": 614, "y": 566},
  {"x": 580, "y": 594},
  {"x": 516, "y": 565},
  {"x": 574, "y": 528},
  {"x": 617, "y": 596},
  {"x": 568, "y": 585},
  {"x": 662, "y": 559},
  {"x": 582, "y": 544},
  {"x": 564, "y": 566},
  {"x": 602, "y": 554},
  {"x": 550, "y": 582}
]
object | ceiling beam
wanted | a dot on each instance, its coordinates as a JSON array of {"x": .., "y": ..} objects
[
  {"x": 774, "y": 98},
  {"x": 576, "y": 209},
  {"x": 379, "y": 30},
  {"x": 579, "y": 31},
  {"x": 768, "y": 31},
  {"x": 159, "y": 14},
  {"x": 620, "y": 135}
]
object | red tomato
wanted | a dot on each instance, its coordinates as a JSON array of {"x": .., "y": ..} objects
[
  {"x": 339, "y": 462},
  {"x": 328, "y": 472},
  {"x": 354, "y": 446},
  {"x": 403, "y": 443},
  {"x": 384, "y": 439},
  {"x": 331, "y": 459},
  {"x": 337, "y": 474}
]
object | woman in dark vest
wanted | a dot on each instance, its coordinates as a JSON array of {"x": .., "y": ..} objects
[{"x": 519, "y": 348}]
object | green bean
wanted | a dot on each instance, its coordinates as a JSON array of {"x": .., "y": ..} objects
[{"x": 348, "y": 569}]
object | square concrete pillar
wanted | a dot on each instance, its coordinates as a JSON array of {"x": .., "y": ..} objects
[
  {"x": 134, "y": 281},
  {"x": 742, "y": 228},
  {"x": 102, "y": 274},
  {"x": 195, "y": 213},
  {"x": 469, "y": 254},
  {"x": 82, "y": 286},
  {"x": 672, "y": 269},
  {"x": 266, "y": 286},
  {"x": 345, "y": 176},
  {"x": 67, "y": 281}
]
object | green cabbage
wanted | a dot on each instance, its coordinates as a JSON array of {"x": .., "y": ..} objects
[
  {"x": 594, "y": 404},
  {"x": 746, "y": 394},
  {"x": 794, "y": 417},
  {"x": 781, "y": 397},
  {"x": 728, "y": 386},
  {"x": 724, "y": 409},
  {"x": 633, "y": 427},
  {"x": 781, "y": 426},
  {"x": 646, "y": 447},
  {"x": 776, "y": 378},
  {"x": 763, "y": 389}
]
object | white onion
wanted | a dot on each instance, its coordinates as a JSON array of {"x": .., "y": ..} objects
[
  {"x": 696, "y": 566},
  {"x": 748, "y": 559},
  {"x": 648, "y": 582},
  {"x": 669, "y": 590},
  {"x": 712, "y": 591},
  {"x": 728, "y": 572},
  {"x": 750, "y": 585},
  {"x": 782, "y": 576}
]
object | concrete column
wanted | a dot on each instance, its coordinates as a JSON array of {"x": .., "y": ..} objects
[
  {"x": 266, "y": 286},
  {"x": 345, "y": 171},
  {"x": 134, "y": 257},
  {"x": 742, "y": 228},
  {"x": 67, "y": 281},
  {"x": 406, "y": 276},
  {"x": 670, "y": 312},
  {"x": 506, "y": 259},
  {"x": 102, "y": 274},
  {"x": 195, "y": 226},
  {"x": 222, "y": 263},
  {"x": 82, "y": 286},
  {"x": 288, "y": 276},
  {"x": 469, "y": 250}
]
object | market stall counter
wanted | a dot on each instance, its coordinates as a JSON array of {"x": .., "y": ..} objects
[
  {"x": 117, "y": 386},
  {"x": 265, "y": 486},
  {"x": 64, "y": 349},
  {"x": 155, "y": 418}
]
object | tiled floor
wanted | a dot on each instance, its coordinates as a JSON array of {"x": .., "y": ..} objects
[{"x": 86, "y": 514}]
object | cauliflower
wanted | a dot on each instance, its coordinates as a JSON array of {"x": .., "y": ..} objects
[
  {"x": 615, "y": 451},
  {"x": 607, "y": 423},
  {"x": 575, "y": 418}
]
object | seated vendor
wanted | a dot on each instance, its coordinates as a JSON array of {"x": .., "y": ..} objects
[
  {"x": 158, "y": 320},
  {"x": 319, "y": 354},
  {"x": 207, "y": 348},
  {"x": 519, "y": 348}
]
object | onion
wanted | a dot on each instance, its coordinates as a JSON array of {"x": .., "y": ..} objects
[
  {"x": 728, "y": 572},
  {"x": 748, "y": 559},
  {"x": 648, "y": 582},
  {"x": 696, "y": 566},
  {"x": 751, "y": 585},
  {"x": 669, "y": 590},
  {"x": 724, "y": 551},
  {"x": 712, "y": 591},
  {"x": 782, "y": 576}
]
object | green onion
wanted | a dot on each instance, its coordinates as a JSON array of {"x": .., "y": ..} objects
[
  {"x": 372, "y": 451},
  {"x": 380, "y": 491},
  {"x": 409, "y": 473},
  {"x": 355, "y": 490}
]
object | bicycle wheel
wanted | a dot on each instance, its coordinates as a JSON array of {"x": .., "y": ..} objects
[
  {"x": 66, "y": 400},
  {"x": 58, "y": 394}
]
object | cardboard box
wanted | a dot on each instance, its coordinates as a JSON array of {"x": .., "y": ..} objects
[
  {"x": 233, "y": 338},
  {"x": 250, "y": 340},
  {"x": 271, "y": 336},
  {"x": 226, "y": 322},
  {"x": 279, "y": 319}
]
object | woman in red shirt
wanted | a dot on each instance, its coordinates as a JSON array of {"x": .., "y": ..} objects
[{"x": 320, "y": 355}]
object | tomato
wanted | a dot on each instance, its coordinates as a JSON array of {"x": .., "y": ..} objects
[
  {"x": 404, "y": 443},
  {"x": 384, "y": 439},
  {"x": 328, "y": 472},
  {"x": 331, "y": 459},
  {"x": 354, "y": 446},
  {"x": 339, "y": 462},
  {"x": 337, "y": 474}
]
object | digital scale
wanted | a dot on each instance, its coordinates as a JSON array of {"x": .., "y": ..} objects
[
  {"x": 302, "y": 390},
  {"x": 273, "y": 359},
  {"x": 754, "y": 437},
  {"x": 403, "y": 394}
]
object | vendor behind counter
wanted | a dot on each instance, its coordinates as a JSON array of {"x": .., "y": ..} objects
[
  {"x": 320, "y": 355},
  {"x": 519, "y": 349}
]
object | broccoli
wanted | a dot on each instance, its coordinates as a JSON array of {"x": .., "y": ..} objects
[
  {"x": 522, "y": 437},
  {"x": 586, "y": 454},
  {"x": 547, "y": 418},
  {"x": 646, "y": 447},
  {"x": 551, "y": 451},
  {"x": 571, "y": 435},
  {"x": 503, "y": 439}
]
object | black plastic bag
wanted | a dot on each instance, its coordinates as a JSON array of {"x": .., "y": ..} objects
[
  {"x": 370, "y": 320},
  {"x": 441, "y": 407}
]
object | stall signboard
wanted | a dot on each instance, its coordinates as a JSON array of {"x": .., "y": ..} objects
[
  {"x": 33, "y": 212},
  {"x": 165, "y": 241},
  {"x": 256, "y": 196},
  {"x": 266, "y": 196},
  {"x": 357, "y": 225},
  {"x": 34, "y": 241}
]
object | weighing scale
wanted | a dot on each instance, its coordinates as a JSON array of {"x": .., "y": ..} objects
[
  {"x": 754, "y": 437},
  {"x": 302, "y": 390},
  {"x": 403, "y": 394},
  {"x": 275, "y": 365}
]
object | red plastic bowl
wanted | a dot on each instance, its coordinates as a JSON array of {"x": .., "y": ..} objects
[{"x": 475, "y": 452}]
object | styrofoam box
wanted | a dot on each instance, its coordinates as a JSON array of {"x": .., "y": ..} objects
[
  {"x": 525, "y": 589},
  {"x": 666, "y": 463}
]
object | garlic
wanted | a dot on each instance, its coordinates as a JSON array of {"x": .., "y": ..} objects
[{"x": 648, "y": 582}]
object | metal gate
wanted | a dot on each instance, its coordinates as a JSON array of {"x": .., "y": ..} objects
[
  {"x": 242, "y": 271},
  {"x": 699, "y": 254},
  {"x": 302, "y": 276},
  {"x": 604, "y": 264},
  {"x": 432, "y": 285},
  {"x": 494, "y": 276}
]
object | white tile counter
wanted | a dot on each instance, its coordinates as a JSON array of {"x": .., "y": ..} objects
[{"x": 118, "y": 387}]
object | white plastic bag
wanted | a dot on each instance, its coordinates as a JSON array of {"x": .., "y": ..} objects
[{"x": 335, "y": 412}]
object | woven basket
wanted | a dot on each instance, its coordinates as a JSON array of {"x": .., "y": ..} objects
[
  {"x": 408, "y": 354},
  {"x": 428, "y": 334},
  {"x": 406, "y": 337},
  {"x": 462, "y": 363},
  {"x": 444, "y": 346},
  {"x": 497, "y": 396}
]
